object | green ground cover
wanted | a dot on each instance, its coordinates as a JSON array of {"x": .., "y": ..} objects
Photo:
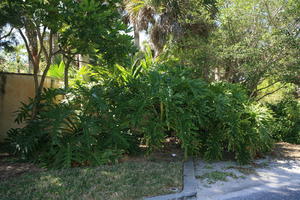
[{"x": 123, "y": 181}]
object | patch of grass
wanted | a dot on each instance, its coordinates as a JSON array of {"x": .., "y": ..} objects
[
  {"x": 124, "y": 181},
  {"x": 246, "y": 171},
  {"x": 243, "y": 170},
  {"x": 213, "y": 177},
  {"x": 208, "y": 167},
  {"x": 262, "y": 165}
]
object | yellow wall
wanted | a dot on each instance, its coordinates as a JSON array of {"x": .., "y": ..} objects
[{"x": 16, "y": 88}]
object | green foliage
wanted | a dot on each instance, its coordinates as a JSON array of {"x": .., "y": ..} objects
[
  {"x": 270, "y": 91},
  {"x": 99, "y": 120},
  {"x": 14, "y": 60},
  {"x": 253, "y": 42},
  {"x": 246, "y": 42},
  {"x": 287, "y": 114},
  {"x": 214, "y": 176},
  {"x": 172, "y": 20},
  {"x": 66, "y": 133},
  {"x": 91, "y": 28},
  {"x": 57, "y": 70}
]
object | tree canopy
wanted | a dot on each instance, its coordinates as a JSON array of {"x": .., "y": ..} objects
[
  {"x": 246, "y": 42},
  {"x": 53, "y": 27}
]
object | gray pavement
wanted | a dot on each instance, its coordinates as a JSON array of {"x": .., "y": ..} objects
[
  {"x": 268, "y": 180},
  {"x": 277, "y": 180},
  {"x": 189, "y": 191},
  {"x": 284, "y": 193}
]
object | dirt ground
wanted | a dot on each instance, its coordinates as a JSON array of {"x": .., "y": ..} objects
[
  {"x": 286, "y": 151},
  {"x": 12, "y": 167}
]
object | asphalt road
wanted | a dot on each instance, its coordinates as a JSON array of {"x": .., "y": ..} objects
[{"x": 283, "y": 193}]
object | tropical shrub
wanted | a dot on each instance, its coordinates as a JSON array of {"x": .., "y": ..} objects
[
  {"x": 287, "y": 115},
  {"x": 96, "y": 123},
  {"x": 75, "y": 131},
  {"x": 206, "y": 118}
]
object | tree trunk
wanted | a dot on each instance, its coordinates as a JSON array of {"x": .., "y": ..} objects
[
  {"x": 66, "y": 73},
  {"x": 217, "y": 74},
  {"x": 30, "y": 66},
  {"x": 33, "y": 52},
  {"x": 33, "y": 36},
  {"x": 136, "y": 37},
  {"x": 34, "y": 60},
  {"x": 55, "y": 45}
]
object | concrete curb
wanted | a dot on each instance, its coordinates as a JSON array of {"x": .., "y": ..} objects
[{"x": 189, "y": 185}]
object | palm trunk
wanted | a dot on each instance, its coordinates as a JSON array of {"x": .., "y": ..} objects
[{"x": 136, "y": 37}]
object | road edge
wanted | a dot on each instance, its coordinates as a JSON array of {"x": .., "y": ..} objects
[{"x": 189, "y": 185}]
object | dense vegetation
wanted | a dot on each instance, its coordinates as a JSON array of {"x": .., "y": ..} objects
[
  {"x": 287, "y": 114},
  {"x": 201, "y": 80},
  {"x": 97, "y": 123}
]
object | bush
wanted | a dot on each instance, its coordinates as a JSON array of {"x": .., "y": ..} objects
[
  {"x": 82, "y": 129},
  {"x": 287, "y": 115},
  {"x": 96, "y": 124},
  {"x": 206, "y": 118}
]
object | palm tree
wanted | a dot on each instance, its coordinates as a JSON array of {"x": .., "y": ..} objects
[
  {"x": 139, "y": 14},
  {"x": 161, "y": 18},
  {"x": 145, "y": 15}
]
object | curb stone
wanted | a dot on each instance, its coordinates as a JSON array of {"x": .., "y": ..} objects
[{"x": 189, "y": 185}]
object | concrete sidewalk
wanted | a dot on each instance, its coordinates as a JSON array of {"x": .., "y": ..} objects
[
  {"x": 230, "y": 181},
  {"x": 189, "y": 185},
  {"x": 264, "y": 175}
]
